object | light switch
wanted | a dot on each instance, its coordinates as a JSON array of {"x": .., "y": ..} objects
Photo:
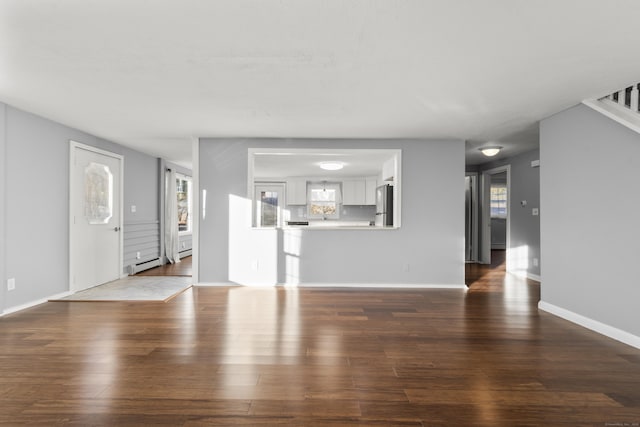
[
  {"x": 535, "y": 212},
  {"x": 133, "y": 208}
]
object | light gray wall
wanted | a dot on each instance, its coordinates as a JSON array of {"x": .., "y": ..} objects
[
  {"x": 141, "y": 186},
  {"x": 525, "y": 228},
  {"x": 589, "y": 181},
  {"x": 431, "y": 239},
  {"x": 141, "y": 189},
  {"x": 3, "y": 180},
  {"x": 37, "y": 201}
]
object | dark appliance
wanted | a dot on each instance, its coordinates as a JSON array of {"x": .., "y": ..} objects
[{"x": 384, "y": 206}]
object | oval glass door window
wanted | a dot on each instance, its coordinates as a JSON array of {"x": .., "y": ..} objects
[{"x": 98, "y": 193}]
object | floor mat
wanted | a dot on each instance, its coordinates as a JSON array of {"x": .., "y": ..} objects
[{"x": 134, "y": 289}]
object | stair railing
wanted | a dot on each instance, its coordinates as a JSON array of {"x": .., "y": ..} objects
[{"x": 628, "y": 97}]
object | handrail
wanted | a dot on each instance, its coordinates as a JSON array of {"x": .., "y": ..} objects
[{"x": 628, "y": 97}]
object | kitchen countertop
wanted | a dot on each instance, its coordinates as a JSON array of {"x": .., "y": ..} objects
[{"x": 334, "y": 225}]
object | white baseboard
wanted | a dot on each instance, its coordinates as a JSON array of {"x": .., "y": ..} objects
[
  {"x": 347, "y": 285},
  {"x": 525, "y": 275},
  {"x": 34, "y": 303},
  {"x": 376, "y": 285},
  {"x": 216, "y": 284},
  {"x": 594, "y": 325},
  {"x": 535, "y": 277}
]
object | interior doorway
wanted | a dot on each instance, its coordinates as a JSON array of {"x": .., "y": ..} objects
[
  {"x": 176, "y": 223},
  {"x": 184, "y": 268},
  {"x": 495, "y": 213}
]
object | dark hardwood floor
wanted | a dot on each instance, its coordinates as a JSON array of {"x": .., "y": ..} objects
[
  {"x": 182, "y": 268},
  {"x": 316, "y": 357}
]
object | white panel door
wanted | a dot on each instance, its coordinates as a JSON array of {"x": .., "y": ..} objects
[{"x": 96, "y": 228}]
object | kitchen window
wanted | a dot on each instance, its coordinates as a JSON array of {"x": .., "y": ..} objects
[{"x": 324, "y": 200}]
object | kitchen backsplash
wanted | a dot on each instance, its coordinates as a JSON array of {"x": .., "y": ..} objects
[{"x": 347, "y": 213}]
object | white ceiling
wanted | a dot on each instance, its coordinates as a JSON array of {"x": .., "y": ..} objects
[{"x": 154, "y": 74}]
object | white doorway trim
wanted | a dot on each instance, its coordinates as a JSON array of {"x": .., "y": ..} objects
[
  {"x": 473, "y": 221},
  {"x": 197, "y": 205},
  {"x": 485, "y": 228},
  {"x": 73, "y": 146}
]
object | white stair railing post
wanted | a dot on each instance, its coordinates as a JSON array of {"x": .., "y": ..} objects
[
  {"x": 634, "y": 98},
  {"x": 621, "y": 96}
]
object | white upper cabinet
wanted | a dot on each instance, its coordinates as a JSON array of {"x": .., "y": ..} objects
[
  {"x": 354, "y": 192},
  {"x": 370, "y": 190},
  {"x": 389, "y": 170},
  {"x": 359, "y": 191},
  {"x": 296, "y": 191}
]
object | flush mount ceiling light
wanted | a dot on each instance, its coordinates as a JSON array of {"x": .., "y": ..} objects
[
  {"x": 331, "y": 166},
  {"x": 490, "y": 151}
]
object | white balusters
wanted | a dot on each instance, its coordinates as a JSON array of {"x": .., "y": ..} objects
[
  {"x": 634, "y": 98},
  {"x": 620, "y": 98}
]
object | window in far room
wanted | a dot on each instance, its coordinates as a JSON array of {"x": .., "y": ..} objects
[
  {"x": 498, "y": 201},
  {"x": 183, "y": 192}
]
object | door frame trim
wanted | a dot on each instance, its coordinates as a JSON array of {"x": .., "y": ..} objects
[
  {"x": 73, "y": 146},
  {"x": 475, "y": 205},
  {"x": 485, "y": 236}
]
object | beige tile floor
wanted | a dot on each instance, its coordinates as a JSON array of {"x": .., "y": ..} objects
[{"x": 134, "y": 288}]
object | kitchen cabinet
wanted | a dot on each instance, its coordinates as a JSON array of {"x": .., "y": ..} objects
[
  {"x": 354, "y": 192},
  {"x": 371, "y": 184},
  {"x": 296, "y": 191},
  {"x": 389, "y": 170},
  {"x": 359, "y": 191}
]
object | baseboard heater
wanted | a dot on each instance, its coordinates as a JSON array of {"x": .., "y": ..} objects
[
  {"x": 136, "y": 268},
  {"x": 185, "y": 253}
]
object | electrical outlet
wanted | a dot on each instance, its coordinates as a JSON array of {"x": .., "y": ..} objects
[
  {"x": 535, "y": 212},
  {"x": 407, "y": 267},
  {"x": 11, "y": 284},
  {"x": 254, "y": 265},
  {"x": 184, "y": 245},
  {"x": 137, "y": 255},
  {"x": 133, "y": 209},
  {"x": 536, "y": 262}
]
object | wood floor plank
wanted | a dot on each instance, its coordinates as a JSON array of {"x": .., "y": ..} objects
[{"x": 316, "y": 357}]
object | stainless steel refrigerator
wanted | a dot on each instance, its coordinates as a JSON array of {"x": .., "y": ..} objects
[{"x": 384, "y": 206}]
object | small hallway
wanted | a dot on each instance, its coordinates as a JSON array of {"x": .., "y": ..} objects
[{"x": 184, "y": 268}]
